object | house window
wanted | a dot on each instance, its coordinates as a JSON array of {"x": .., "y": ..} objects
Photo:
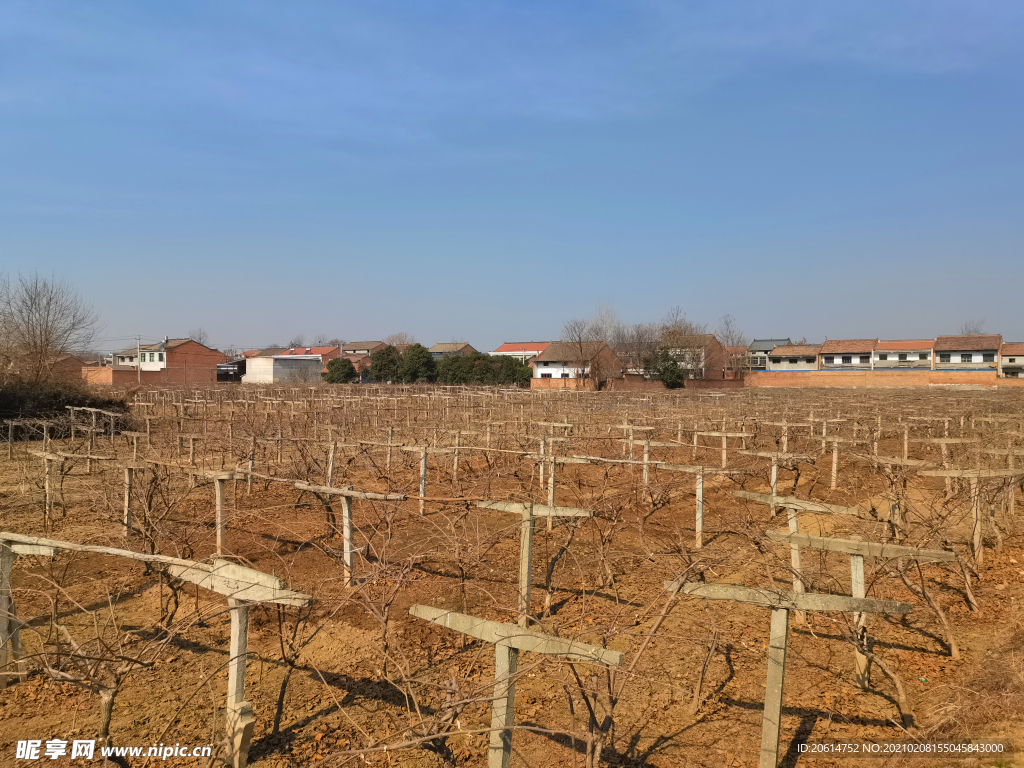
[
  {"x": 546, "y": 364},
  {"x": 944, "y": 357},
  {"x": 903, "y": 357},
  {"x": 565, "y": 375},
  {"x": 847, "y": 359},
  {"x": 829, "y": 360},
  {"x": 545, "y": 375},
  {"x": 923, "y": 356},
  {"x": 1013, "y": 360},
  {"x": 776, "y": 360},
  {"x": 809, "y": 360},
  {"x": 792, "y": 361},
  {"x": 966, "y": 357},
  {"x": 151, "y": 356},
  {"x": 989, "y": 357},
  {"x": 865, "y": 359},
  {"x": 883, "y": 356},
  {"x": 160, "y": 357}
]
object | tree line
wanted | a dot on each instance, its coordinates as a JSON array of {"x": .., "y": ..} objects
[{"x": 413, "y": 364}]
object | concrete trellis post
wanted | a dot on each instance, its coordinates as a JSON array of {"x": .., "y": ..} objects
[
  {"x": 974, "y": 475},
  {"x": 242, "y": 586},
  {"x": 858, "y": 550},
  {"x": 781, "y": 603},
  {"x": 347, "y": 494},
  {"x": 10, "y": 631},
  {"x": 509, "y": 640},
  {"x": 530, "y": 511}
]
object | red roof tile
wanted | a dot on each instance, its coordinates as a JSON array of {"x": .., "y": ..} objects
[
  {"x": 532, "y": 347},
  {"x": 1015, "y": 348},
  {"x": 848, "y": 346},
  {"x": 903, "y": 344},
  {"x": 971, "y": 343}
]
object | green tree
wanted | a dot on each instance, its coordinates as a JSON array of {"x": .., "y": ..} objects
[
  {"x": 386, "y": 365},
  {"x": 417, "y": 366},
  {"x": 666, "y": 368},
  {"x": 340, "y": 371}
]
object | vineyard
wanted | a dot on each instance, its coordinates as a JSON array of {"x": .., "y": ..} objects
[{"x": 427, "y": 576}]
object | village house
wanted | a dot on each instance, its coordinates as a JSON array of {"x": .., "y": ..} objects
[
  {"x": 447, "y": 349},
  {"x": 794, "y": 357},
  {"x": 972, "y": 352},
  {"x": 846, "y": 354},
  {"x": 178, "y": 361},
  {"x": 576, "y": 360},
  {"x": 903, "y": 355},
  {"x": 702, "y": 354},
  {"x": 758, "y": 351},
  {"x": 280, "y": 369},
  {"x": 1011, "y": 361}
]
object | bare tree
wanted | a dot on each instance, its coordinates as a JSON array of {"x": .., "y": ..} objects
[
  {"x": 321, "y": 340},
  {"x": 42, "y": 320},
  {"x": 298, "y": 340},
  {"x": 972, "y": 327},
  {"x": 400, "y": 338},
  {"x": 200, "y": 336},
  {"x": 728, "y": 332}
]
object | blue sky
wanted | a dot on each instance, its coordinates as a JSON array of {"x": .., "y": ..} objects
[{"x": 488, "y": 170}]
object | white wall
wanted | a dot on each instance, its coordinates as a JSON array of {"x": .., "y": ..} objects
[
  {"x": 556, "y": 369},
  {"x": 837, "y": 360},
  {"x": 800, "y": 365},
  {"x": 977, "y": 360}
]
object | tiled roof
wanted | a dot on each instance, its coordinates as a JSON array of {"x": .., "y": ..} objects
[
  {"x": 571, "y": 351},
  {"x": 971, "y": 343},
  {"x": 522, "y": 346},
  {"x": 352, "y": 346},
  {"x": 848, "y": 346},
  {"x": 310, "y": 351},
  {"x": 767, "y": 345},
  {"x": 1014, "y": 348},
  {"x": 449, "y": 346},
  {"x": 903, "y": 344},
  {"x": 797, "y": 350},
  {"x": 736, "y": 351}
]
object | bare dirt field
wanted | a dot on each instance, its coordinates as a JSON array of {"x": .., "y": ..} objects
[{"x": 353, "y": 678}]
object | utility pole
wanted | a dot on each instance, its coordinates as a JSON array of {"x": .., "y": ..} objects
[{"x": 138, "y": 357}]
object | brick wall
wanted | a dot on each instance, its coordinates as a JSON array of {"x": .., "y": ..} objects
[
  {"x": 634, "y": 383},
  {"x": 562, "y": 384},
  {"x": 876, "y": 379}
]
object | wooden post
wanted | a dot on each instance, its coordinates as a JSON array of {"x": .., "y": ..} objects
[
  {"x": 725, "y": 456},
  {"x": 423, "y": 481},
  {"x": 387, "y": 458},
  {"x": 551, "y": 490},
  {"x": 773, "y": 508},
  {"x": 835, "y": 463},
  {"x": 330, "y": 464},
  {"x": 771, "y": 722},
  {"x": 10, "y": 441},
  {"x": 240, "y": 720},
  {"x": 699, "y": 525},
  {"x": 785, "y": 437},
  {"x": 906, "y": 442},
  {"x": 862, "y": 666}
]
